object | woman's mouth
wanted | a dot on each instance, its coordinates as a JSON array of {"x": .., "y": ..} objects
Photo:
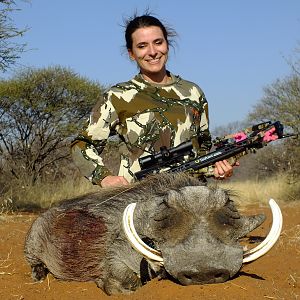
[{"x": 153, "y": 61}]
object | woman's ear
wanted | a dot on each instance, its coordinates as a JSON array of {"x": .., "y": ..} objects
[{"x": 131, "y": 55}]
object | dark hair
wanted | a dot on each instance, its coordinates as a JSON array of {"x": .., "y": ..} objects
[{"x": 146, "y": 20}]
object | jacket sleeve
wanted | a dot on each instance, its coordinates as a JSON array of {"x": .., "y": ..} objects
[
  {"x": 204, "y": 136},
  {"x": 86, "y": 149}
]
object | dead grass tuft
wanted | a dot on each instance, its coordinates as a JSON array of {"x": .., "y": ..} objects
[
  {"x": 4, "y": 265},
  {"x": 260, "y": 191},
  {"x": 43, "y": 196},
  {"x": 292, "y": 238}
]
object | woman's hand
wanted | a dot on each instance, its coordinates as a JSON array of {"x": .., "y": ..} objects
[
  {"x": 113, "y": 181},
  {"x": 223, "y": 169}
]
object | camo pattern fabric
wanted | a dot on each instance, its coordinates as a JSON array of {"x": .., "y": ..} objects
[{"x": 146, "y": 117}]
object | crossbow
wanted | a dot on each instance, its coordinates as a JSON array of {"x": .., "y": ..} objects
[{"x": 230, "y": 146}]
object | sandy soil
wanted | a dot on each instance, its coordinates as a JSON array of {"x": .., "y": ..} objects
[{"x": 274, "y": 276}]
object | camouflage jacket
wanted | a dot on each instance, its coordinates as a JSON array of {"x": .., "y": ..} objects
[{"x": 145, "y": 116}]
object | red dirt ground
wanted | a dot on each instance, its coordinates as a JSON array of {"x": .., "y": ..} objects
[{"x": 274, "y": 276}]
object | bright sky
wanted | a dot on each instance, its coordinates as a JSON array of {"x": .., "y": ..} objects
[{"x": 230, "y": 48}]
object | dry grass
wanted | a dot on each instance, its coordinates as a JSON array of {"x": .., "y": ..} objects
[
  {"x": 43, "y": 196},
  {"x": 256, "y": 191},
  {"x": 292, "y": 238},
  {"x": 4, "y": 265}
]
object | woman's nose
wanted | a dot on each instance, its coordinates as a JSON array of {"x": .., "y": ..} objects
[{"x": 152, "y": 50}]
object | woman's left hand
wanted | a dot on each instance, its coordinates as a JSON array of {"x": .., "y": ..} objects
[{"x": 223, "y": 169}]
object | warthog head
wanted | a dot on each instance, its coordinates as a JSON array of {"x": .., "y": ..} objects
[{"x": 195, "y": 232}]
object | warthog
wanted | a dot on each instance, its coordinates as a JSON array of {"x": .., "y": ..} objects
[{"x": 171, "y": 226}]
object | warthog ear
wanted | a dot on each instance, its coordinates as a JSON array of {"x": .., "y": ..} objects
[{"x": 248, "y": 224}]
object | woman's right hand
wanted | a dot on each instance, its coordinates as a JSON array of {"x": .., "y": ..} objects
[{"x": 113, "y": 181}]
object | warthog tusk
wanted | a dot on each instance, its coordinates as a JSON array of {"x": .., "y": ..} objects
[
  {"x": 275, "y": 227},
  {"x": 135, "y": 240},
  {"x": 271, "y": 238}
]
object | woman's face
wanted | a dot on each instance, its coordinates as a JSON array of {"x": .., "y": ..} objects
[{"x": 150, "y": 51}]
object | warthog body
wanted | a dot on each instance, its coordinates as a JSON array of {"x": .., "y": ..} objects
[{"x": 195, "y": 227}]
